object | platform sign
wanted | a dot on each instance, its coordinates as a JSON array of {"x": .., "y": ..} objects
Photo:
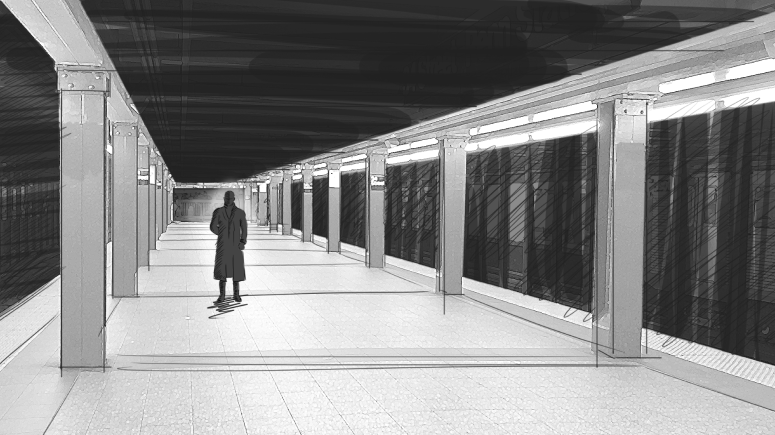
[{"x": 377, "y": 182}]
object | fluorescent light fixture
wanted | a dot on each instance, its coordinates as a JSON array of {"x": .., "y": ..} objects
[
  {"x": 403, "y": 147},
  {"x": 749, "y": 98},
  {"x": 424, "y": 143},
  {"x": 424, "y": 155},
  {"x": 514, "y": 139},
  {"x": 297, "y": 171},
  {"x": 573, "y": 129},
  {"x": 297, "y": 177},
  {"x": 687, "y": 83},
  {"x": 516, "y": 122},
  {"x": 354, "y": 158},
  {"x": 472, "y": 147},
  {"x": 751, "y": 69},
  {"x": 680, "y": 110},
  {"x": 564, "y": 111},
  {"x": 320, "y": 165},
  {"x": 398, "y": 160},
  {"x": 353, "y": 167},
  {"x": 319, "y": 173}
]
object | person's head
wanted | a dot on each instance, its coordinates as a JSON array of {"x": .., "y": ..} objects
[{"x": 228, "y": 198}]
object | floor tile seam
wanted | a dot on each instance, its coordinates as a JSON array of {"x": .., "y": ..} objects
[
  {"x": 286, "y": 404},
  {"x": 239, "y": 404},
  {"x": 75, "y": 381}
]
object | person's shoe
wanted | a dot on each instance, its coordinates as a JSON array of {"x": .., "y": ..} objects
[
  {"x": 222, "y": 298},
  {"x": 237, "y": 298}
]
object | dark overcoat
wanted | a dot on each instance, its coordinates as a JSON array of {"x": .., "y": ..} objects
[{"x": 230, "y": 225}]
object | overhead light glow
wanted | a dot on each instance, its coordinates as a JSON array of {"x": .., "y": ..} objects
[
  {"x": 397, "y": 160},
  {"x": 353, "y": 167},
  {"x": 403, "y": 147},
  {"x": 564, "y": 111},
  {"x": 297, "y": 177},
  {"x": 680, "y": 110},
  {"x": 502, "y": 125},
  {"x": 514, "y": 139},
  {"x": 423, "y": 155},
  {"x": 750, "y": 98},
  {"x": 354, "y": 158},
  {"x": 687, "y": 83},
  {"x": 472, "y": 147},
  {"x": 320, "y": 165},
  {"x": 319, "y": 173},
  {"x": 424, "y": 143},
  {"x": 573, "y": 129},
  {"x": 751, "y": 69}
]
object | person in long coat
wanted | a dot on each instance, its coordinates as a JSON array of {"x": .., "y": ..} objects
[{"x": 231, "y": 227}]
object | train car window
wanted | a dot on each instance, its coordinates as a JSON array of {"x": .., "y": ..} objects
[{"x": 4, "y": 203}]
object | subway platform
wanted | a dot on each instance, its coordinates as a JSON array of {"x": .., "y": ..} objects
[{"x": 321, "y": 344}]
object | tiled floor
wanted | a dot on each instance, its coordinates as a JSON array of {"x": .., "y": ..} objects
[{"x": 325, "y": 345}]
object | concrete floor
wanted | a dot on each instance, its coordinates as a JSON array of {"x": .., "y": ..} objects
[{"x": 324, "y": 345}]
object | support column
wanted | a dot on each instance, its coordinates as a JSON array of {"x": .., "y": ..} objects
[
  {"x": 143, "y": 187},
  {"x": 452, "y": 202},
  {"x": 125, "y": 209},
  {"x": 375, "y": 206},
  {"x": 170, "y": 193},
  {"x": 159, "y": 202},
  {"x": 165, "y": 206},
  {"x": 274, "y": 200},
  {"x": 152, "y": 202},
  {"x": 334, "y": 206},
  {"x": 287, "y": 180},
  {"x": 261, "y": 203},
  {"x": 247, "y": 194},
  {"x": 83, "y": 246},
  {"x": 306, "y": 203},
  {"x": 620, "y": 221}
]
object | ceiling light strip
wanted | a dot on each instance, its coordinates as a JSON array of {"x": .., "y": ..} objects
[
  {"x": 354, "y": 158},
  {"x": 353, "y": 167}
]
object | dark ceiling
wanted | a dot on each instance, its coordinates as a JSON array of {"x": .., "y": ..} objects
[{"x": 230, "y": 88}]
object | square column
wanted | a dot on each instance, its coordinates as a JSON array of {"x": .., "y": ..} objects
[
  {"x": 159, "y": 201},
  {"x": 452, "y": 198},
  {"x": 286, "y": 186},
  {"x": 306, "y": 204},
  {"x": 165, "y": 207},
  {"x": 83, "y": 216},
  {"x": 262, "y": 203},
  {"x": 334, "y": 206},
  {"x": 143, "y": 180},
  {"x": 125, "y": 209},
  {"x": 375, "y": 206},
  {"x": 274, "y": 200},
  {"x": 170, "y": 192},
  {"x": 152, "y": 202},
  {"x": 247, "y": 193},
  {"x": 620, "y": 222}
]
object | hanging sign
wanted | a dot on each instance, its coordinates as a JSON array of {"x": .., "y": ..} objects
[
  {"x": 377, "y": 182},
  {"x": 308, "y": 187},
  {"x": 333, "y": 178}
]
